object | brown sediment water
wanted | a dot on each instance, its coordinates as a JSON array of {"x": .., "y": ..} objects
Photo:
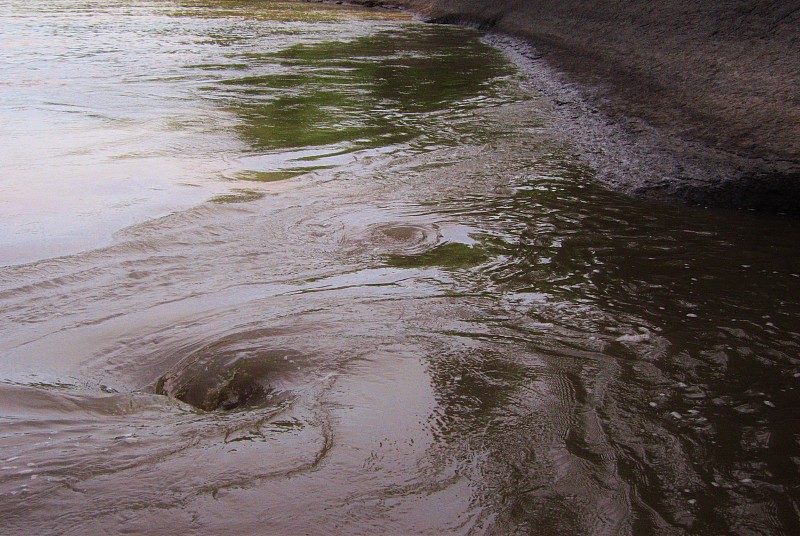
[{"x": 291, "y": 268}]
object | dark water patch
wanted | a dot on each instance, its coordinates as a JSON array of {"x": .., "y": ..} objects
[{"x": 690, "y": 317}]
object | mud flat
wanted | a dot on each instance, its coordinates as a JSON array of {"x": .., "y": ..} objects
[{"x": 689, "y": 101}]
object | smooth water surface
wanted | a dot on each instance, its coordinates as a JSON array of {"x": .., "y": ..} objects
[{"x": 286, "y": 268}]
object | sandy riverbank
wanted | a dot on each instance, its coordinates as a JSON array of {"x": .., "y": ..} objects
[{"x": 690, "y": 101}]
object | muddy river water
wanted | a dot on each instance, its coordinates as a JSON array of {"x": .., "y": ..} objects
[{"x": 288, "y": 268}]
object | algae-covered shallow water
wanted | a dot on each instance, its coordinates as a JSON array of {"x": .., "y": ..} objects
[{"x": 284, "y": 268}]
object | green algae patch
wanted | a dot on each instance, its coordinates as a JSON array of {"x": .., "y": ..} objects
[
  {"x": 238, "y": 196},
  {"x": 450, "y": 255},
  {"x": 284, "y": 11},
  {"x": 360, "y": 93},
  {"x": 271, "y": 176}
]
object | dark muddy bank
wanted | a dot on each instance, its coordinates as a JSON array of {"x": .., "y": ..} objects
[{"x": 683, "y": 100}]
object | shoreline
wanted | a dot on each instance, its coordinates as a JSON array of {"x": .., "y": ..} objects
[
  {"x": 639, "y": 138},
  {"x": 633, "y": 157}
]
